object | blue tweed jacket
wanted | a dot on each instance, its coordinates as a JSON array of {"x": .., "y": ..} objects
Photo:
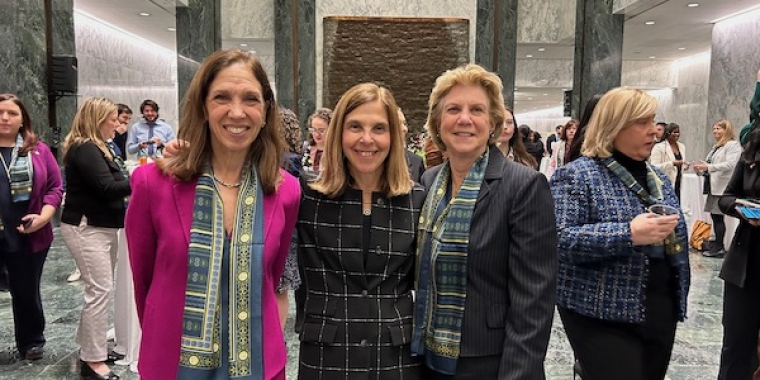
[{"x": 601, "y": 274}]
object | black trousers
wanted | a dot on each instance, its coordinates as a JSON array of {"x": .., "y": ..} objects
[
  {"x": 741, "y": 323},
  {"x": 623, "y": 351},
  {"x": 469, "y": 368},
  {"x": 24, "y": 275}
]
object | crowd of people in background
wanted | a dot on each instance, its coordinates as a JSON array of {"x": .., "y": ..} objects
[{"x": 434, "y": 264}]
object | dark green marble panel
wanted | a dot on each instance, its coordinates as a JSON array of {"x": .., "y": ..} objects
[{"x": 198, "y": 35}]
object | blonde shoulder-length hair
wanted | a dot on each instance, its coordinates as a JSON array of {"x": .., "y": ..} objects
[
  {"x": 267, "y": 149},
  {"x": 86, "y": 125},
  {"x": 335, "y": 176},
  {"x": 468, "y": 75},
  {"x": 617, "y": 109},
  {"x": 728, "y": 135}
]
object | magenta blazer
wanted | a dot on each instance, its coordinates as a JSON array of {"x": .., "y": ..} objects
[
  {"x": 47, "y": 189},
  {"x": 157, "y": 226}
]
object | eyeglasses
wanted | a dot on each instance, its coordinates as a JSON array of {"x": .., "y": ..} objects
[{"x": 320, "y": 131}]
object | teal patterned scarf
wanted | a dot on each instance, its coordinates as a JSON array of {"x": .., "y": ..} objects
[
  {"x": 19, "y": 172},
  {"x": 201, "y": 327},
  {"x": 674, "y": 250},
  {"x": 443, "y": 238}
]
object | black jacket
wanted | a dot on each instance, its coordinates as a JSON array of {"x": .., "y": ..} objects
[
  {"x": 95, "y": 188},
  {"x": 744, "y": 183}
]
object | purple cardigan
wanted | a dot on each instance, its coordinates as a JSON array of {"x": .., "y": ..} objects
[
  {"x": 158, "y": 233},
  {"x": 47, "y": 189}
]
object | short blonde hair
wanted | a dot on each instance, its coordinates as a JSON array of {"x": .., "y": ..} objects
[
  {"x": 469, "y": 75},
  {"x": 86, "y": 125},
  {"x": 335, "y": 177},
  {"x": 728, "y": 135},
  {"x": 619, "y": 108},
  {"x": 267, "y": 149}
]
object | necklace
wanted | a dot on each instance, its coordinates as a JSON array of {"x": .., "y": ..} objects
[{"x": 227, "y": 184}]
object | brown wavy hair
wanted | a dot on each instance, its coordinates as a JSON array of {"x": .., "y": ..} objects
[
  {"x": 26, "y": 130},
  {"x": 267, "y": 149}
]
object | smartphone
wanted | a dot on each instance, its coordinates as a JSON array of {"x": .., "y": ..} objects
[
  {"x": 749, "y": 212},
  {"x": 28, "y": 223}
]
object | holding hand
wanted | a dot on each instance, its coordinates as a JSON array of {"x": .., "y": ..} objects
[
  {"x": 31, "y": 223},
  {"x": 651, "y": 228},
  {"x": 173, "y": 147}
]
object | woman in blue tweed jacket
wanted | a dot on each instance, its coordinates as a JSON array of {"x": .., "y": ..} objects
[{"x": 623, "y": 272}]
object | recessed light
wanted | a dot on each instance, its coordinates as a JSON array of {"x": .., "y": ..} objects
[
  {"x": 692, "y": 5},
  {"x": 652, "y": 57},
  {"x": 529, "y": 56},
  {"x": 649, "y": 23},
  {"x": 544, "y": 94},
  {"x": 243, "y": 45},
  {"x": 171, "y": 29},
  {"x": 530, "y": 98},
  {"x": 252, "y": 51},
  {"x": 541, "y": 49},
  {"x": 682, "y": 48},
  {"x": 144, "y": 14}
]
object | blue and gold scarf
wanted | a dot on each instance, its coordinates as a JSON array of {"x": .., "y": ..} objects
[
  {"x": 20, "y": 174},
  {"x": 675, "y": 251},
  {"x": 201, "y": 326},
  {"x": 443, "y": 238}
]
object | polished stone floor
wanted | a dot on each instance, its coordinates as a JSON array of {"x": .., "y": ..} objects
[{"x": 695, "y": 356}]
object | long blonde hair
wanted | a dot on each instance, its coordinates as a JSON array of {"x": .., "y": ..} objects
[
  {"x": 618, "y": 108},
  {"x": 267, "y": 149},
  {"x": 86, "y": 125},
  {"x": 728, "y": 135},
  {"x": 335, "y": 177}
]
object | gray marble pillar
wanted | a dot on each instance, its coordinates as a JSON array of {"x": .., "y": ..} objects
[
  {"x": 307, "y": 72},
  {"x": 198, "y": 35},
  {"x": 286, "y": 61},
  {"x": 496, "y": 42},
  {"x": 23, "y": 60},
  {"x": 598, "y": 51}
]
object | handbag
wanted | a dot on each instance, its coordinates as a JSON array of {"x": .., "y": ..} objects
[{"x": 700, "y": 233}]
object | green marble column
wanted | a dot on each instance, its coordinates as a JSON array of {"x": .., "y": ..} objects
[
  {"x": 496, "y": 41},
  {"x": 198, "y": 35},
  {"x": 285, "y": 56},
  {"x": 598, "y": 51}
]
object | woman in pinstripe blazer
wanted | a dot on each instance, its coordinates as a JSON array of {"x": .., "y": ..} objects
[
  {"x": 356, "y": 230},
  {"x": 623, "y": 272}
]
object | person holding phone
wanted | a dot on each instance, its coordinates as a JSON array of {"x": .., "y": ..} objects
[
  {"x": 30, "y": 193},
  {"x": 741, "y": 270}
]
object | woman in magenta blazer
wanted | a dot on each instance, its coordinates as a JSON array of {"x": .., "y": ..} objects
[{"x": 209, "y": 230}]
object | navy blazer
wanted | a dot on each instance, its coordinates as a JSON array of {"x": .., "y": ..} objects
[
  {"x": 511, "y": 269},
  {"x": 601, "y": 274}
]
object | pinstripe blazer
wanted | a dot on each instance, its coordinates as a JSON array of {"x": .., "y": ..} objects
[
  {"x": 601, "y": 274},
  {"x": 357, "y": 305},
  {"x": 511, "y": 269}
]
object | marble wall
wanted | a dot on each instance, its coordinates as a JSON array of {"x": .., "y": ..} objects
[
  {"x": 466, "y": 9},
  {"x": 691, "y": 105},
  {"x": 242, "y": 21},
  {"x": 546, "y": 22},
  {"x": 125, "y": 68},
  {"x": 733, "y": 68}
]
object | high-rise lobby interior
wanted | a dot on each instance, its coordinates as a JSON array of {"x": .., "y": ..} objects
[{"x": 698, "y": 58}]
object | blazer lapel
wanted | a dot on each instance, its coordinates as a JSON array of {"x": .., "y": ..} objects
[
  {"x": 184, "y": 196},
  {"x": 494, "y": 171}
]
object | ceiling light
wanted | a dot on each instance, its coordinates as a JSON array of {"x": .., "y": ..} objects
[
  {"x": 252, "y": 51},
  {"x": 171, "y": 29},
  {"x": 530, "y": 98},
  {"x": 692, "y": 5},
  {"x": 529, "y": 56},
  {"x": 544, "y": 94},
  {"x": 649, "y": 23},
  {"x": 144, "y": 14},
  {"x": 652, "y": 57},
  {"x": 243, "y": 45},
  {"x": 682, "y": 48},
  {"x": 541, "y": 49}
]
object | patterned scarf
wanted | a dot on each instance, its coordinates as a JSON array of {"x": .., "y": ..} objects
[
  {"x": 201, "y": 327},
  {"x": 120, "y": 163},
  {"x": 19, "y": 172},
  {"x": 674, "y": 250},
  {"x": 443, "y": 238}
]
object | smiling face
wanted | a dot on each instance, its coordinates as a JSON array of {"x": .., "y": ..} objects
[
  {"x": 235, "y": 108},
  {"x": 465, "y": 122},
  {"x": 718, "y": 132},
  {"x": 108, "y": 128},
  {"x": 636, "y": 140},
  {"x": 509, "y": 128},
  {"x": 674, "y": 135},
  {"x": 149, "y": 113},
  {"x": 366, "y": 140},
  {"x": 10, "y": 120}
]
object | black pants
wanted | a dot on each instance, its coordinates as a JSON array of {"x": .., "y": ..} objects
[
  {"x": 719, "y": 227},
  {"x": 741, "y": 323},
  {"x": 24, "y": 274},
  {"x": 474, "y": 368},
  {"x": 623, "y": 351}
]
